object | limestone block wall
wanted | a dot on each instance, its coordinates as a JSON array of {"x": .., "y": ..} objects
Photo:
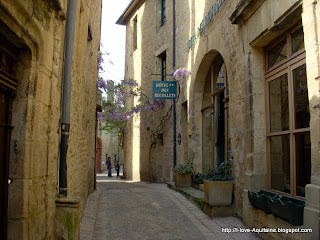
[
  {"x": 36, "y": 29},
  {"x": 239, "y": 33},
  {"x": 310, "y": 19},
  {"x": 109, "y": 142},
  {"x": 141, "y": 63}
]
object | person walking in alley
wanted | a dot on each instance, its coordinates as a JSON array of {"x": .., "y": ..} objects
[
  {"x": 117, "y": 168},
  {"x": 109, "y": 166}
]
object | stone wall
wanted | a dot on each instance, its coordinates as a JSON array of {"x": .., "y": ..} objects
[
  {"x": 310, "y": 19},
  {"x": 238, "y": 32},
  {"x": 109, "y": 142},
  {"x": 37, "y": 29}
]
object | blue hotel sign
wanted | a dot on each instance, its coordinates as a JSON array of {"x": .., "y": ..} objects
[
  {"x": 164, "y": 90},
  {"x": 204, "y": 23}
]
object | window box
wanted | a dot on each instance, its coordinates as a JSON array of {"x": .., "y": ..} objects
[
  {"x": 287, "y": 208},
  {"x": 259, "y": 199}
]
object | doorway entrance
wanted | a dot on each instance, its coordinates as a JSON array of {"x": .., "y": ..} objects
[
  {"x": 215, "y": 125},
  {"x": 7, "y": 94}
]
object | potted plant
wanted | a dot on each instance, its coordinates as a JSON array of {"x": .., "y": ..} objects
[
  {"x": 183, "y": 174},
  {"x": 218, "y": 186},
  {"x": 197, "y": 181}
]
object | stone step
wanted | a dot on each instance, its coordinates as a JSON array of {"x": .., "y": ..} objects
[{"x": 197, "y": 197}]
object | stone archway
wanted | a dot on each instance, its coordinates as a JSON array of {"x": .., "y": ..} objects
[{"x": 209, "y": 97}]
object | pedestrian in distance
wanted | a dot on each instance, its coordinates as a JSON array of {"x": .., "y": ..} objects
[
  {"x": 109, "y": 166},
  {"x": 117, "y": 168}
]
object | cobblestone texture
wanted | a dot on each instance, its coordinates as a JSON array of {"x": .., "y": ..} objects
[{"x": 136, "y": 210}]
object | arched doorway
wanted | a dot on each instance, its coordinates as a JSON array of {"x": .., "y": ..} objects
[
  {"x": 98, "y": 157},
  {"x": 215, "y": 121}
]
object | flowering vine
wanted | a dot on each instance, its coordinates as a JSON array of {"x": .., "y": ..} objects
[{"x": 116, "y": 113}]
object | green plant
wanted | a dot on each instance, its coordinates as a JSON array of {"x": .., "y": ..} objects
[
  {"x": 223, "y": 172},
  {"x": 181, "y": 168},
  {"x": 198, "y": 178}
]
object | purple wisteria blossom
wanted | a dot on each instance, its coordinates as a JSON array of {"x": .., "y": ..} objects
[
  {"x": 100, "y": 61},
  {"x": 116, "y": 113},
  {"x": 102, "y": 84},
  {"x": 119, "y": 96},
  {"x": 101, "y": 116},
  {"x": 172, "y": 72},
  {"x": 131, "y": 82},
  {"x": 181, "y": 74}
]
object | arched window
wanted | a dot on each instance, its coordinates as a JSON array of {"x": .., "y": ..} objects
[{"x": 215, "y": 120}]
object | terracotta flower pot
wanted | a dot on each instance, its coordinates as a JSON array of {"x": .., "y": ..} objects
[
  {"x": 183, "y": 179},
  {"x": 218, "y": 193}
]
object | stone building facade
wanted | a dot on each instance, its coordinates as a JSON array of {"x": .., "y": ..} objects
[
  {"x": 253, "y": 93},
  {"x": 32, "y": 50},
  {"x": 109, "y": 148},
  {"x": 108, "y": 143}
]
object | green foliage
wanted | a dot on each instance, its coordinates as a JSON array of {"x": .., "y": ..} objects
[
  {"x": 181, "y": 168},
  {"x": 198, "y": 178},
  {"x": 223, "y": 173}
]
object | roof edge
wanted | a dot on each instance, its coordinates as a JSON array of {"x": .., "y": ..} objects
[{"x": 123, "y": 18}]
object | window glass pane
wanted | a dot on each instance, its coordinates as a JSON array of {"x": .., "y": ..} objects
[
  {"x": 303, "y": 162},
  {"x": 277, "y": 54},
  {"x": 135, "y": 34},
  {"x": 220, "y": 79},
  {"x": 163, "y": 67},
  {"x": 229, "y": 153},
  {"x": 163, "y": 11},
  {"x": 219, "y": 130},
  {"x": 302, "y": 111},
  {"x": 207, "y": 139},
  {"x": 279, "y": 105},
  {"x": 280, "y": 163},
  {"x": 297, "y": 40}
]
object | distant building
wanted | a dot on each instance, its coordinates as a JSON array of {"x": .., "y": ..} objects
[
  {"x": 32, "y": 73},
  {"x": 109, "y": 144},
  {"x": 253, "y": 92}
]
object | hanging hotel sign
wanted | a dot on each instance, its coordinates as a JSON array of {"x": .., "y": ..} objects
[
  {"x": 164, "y": 90},
  {"x": 204, "y": 23}
]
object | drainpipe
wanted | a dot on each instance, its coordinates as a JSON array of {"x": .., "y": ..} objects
[
  {"x": 174, "y": 101},
  {"x": 65, "y": 119}
]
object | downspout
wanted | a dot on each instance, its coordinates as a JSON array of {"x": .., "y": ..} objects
[
  {"x": 173, "y": 66},
  {"x": 65, "y": 118}
]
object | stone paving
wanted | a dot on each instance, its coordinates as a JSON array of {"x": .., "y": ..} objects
[{"x": 121, "y": 209}]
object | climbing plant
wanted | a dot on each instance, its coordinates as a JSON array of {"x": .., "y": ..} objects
[{"x": 115, "y": 98}]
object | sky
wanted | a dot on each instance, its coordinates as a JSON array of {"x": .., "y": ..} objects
[{"x": 113, "y": 39}]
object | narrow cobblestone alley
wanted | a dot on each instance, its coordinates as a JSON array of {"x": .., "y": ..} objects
[{"x": 121, "y": 209}]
